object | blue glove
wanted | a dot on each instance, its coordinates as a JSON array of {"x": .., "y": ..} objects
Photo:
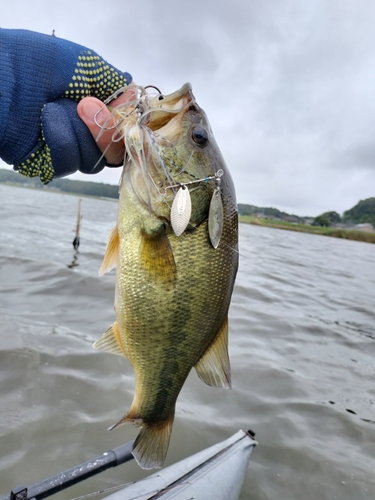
[{"x": 41, "y": 80}]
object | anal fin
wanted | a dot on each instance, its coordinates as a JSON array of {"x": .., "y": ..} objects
[
  {"x": 111, "y": 253},
  {"x": 110, "y": 341},
  {"x": 214, "y": 366}
]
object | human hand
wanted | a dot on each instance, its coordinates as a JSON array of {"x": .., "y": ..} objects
[
  {"x": 42, "y": 78},
  {"x": 91, "y": 107}
]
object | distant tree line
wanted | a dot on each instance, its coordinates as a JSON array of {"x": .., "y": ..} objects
[
  {"x": 66, "y": 185},
  {"x": 268, "y": 212},
  {"x": 86, "y": 188},
  {"x": 363, "y": 212}
]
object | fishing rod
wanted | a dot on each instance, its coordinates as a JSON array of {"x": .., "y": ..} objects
[{"x": 72, "y": 476}]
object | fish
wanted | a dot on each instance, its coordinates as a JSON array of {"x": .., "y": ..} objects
[{"x": 175, "y": 249}]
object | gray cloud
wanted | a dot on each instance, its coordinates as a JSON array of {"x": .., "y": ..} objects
[{"x": 288, "y": 85}]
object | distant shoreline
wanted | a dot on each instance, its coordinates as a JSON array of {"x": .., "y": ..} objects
[
  {"x": 347, "y": 234},
  {"x": 79, "y": 188},
  {"x": 57, "y": 191}
]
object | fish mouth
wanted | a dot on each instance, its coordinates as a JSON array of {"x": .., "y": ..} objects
[
  {"x": 151, "y": 127},
  {"x": 171, "y": 101},
  {"x": 152, "y": 112},
  {"x": 152, "y": 119},
  {"x": 164, "y": 110}
]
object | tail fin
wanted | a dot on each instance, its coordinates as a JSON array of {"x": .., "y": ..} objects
[{"x": 151, "y": 445}]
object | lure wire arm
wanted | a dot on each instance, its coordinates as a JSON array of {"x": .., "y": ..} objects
[{"x": 217, "y": 176}]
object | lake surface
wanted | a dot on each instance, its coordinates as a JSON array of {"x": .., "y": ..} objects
[{"x": 302, "y": 347}]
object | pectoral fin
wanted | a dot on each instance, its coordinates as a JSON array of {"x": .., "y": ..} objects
[
  {"x": 214, "y": 367},
  {"x": 157, "y": 257},
  {"x": 110, "y": 341},
  {"x": 111, "y": 253}
]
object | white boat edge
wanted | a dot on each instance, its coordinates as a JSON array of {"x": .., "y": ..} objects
[{"x": 216, "y": 473}]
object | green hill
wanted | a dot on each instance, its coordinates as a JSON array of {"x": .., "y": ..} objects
[
  {"x": 361, "y": 213},
  {"x": 268, "y": 212},
  {"x": 327, "y": 219}
]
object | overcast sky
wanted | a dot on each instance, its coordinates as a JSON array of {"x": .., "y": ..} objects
[{"x": 288, "y": 86}]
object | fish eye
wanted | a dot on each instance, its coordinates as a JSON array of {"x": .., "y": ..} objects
[{"x": 199, "y": 135}]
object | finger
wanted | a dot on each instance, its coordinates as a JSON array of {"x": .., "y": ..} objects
[{"x": 89, "y": 108}]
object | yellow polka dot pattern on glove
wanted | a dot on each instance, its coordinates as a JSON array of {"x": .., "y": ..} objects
[
  {"x": 38, "y": 164},
  {"x": 94, "y": 77}
]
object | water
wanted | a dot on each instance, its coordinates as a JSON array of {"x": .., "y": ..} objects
[{"x": 302, "y": 346}]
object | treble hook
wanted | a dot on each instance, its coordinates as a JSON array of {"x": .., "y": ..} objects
[
  {"x": 152, "y": 87},
  {"x": 107, "y": 101}
]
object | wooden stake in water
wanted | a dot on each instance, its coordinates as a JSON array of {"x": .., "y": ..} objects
[{"x": 76, "y": 240}]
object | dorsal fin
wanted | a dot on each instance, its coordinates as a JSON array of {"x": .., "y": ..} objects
[
  {"x": 214, "y": 366},
  {"x": 110, "y": 341},
  {"x": 111, "y": 252}
]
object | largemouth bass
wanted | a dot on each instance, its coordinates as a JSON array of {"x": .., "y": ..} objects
[{"x": 175, "y": 249}]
